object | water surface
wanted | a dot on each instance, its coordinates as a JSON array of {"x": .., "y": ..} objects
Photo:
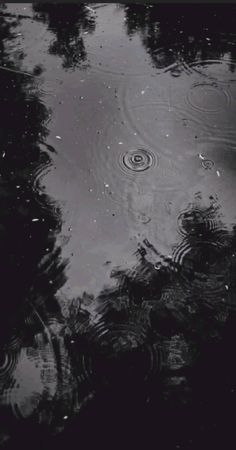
[{"x": 118, "y": 243}]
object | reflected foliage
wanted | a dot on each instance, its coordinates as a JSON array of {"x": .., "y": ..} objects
[
  {"x": 151, "y": 358},
  {"x": 177, "y": 34},
  {"x": 159, "y": 345},
  {"x": 67, "y": 23},
  {"x": 32, "y": 270}
]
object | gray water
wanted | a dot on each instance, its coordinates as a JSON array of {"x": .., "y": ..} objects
[{"x": 118, "y": 215}]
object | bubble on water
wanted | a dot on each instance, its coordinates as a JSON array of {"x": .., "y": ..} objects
[{"x": 138, "y": 160}]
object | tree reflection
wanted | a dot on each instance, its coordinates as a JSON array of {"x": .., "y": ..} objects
[
  {"x": 154, "y": 353},
  {"x": 178, "y": 34},
  {"x": 68, "y": 23},
  {"x": 32, "y": 269},
  {"x": 159, "y": 346}
]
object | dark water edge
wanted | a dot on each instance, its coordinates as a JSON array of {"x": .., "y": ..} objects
[{"x": 117, "y": 226}]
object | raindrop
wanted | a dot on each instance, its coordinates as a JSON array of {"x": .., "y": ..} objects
[
  {"x": 138, "y": 160},
  {"x": 207, "y": 164}
]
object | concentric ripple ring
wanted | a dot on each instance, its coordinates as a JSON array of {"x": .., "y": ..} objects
[{"x": 138, "y": 160}]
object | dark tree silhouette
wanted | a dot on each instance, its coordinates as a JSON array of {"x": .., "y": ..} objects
[
  {"x": 68, "y": 23},
  {"x": 178, "y": 34},
  {"x": 32, "y": 269}
]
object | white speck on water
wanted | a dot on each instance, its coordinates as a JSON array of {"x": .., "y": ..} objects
[
  {"x": 120, "y": 143},
  {"x": 35, "y": 220},
  {"x": 4, "y": 154},
  {"x": 58, "y": 137},
  {"x": 81, "y": 97},
  {"x": 167, "y": 135},
  {"x": 135, "y": 134},
  {"x": 90, "y": 190},
  {"x": 218, "y": 173},
  {"x": 108, "y": 147},
  {"x": 18, "y": 186},
  {"x": 226, "y": 287},
  {"x": 65, "y": 417},
  {"x": 95, "y": 220},
  {"x": 142, "y": 92},
  {"x": 72, "y": 341},
  {"x": 201, "y": 156},
  {"x": 19, "y": 34},
  {"x": 106, "y": 185}
]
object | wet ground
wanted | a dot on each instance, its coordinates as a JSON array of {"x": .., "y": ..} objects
[{"x": 117, "y": 225}]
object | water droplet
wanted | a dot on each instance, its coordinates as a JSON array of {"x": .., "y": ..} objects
[
  {"x": 218, "y": 173},
  {"x": 35, "y": 220},
  {"x": 58, "y": 137}
]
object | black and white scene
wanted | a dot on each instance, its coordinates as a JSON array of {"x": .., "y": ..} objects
[{"x": 117, "y": 226}]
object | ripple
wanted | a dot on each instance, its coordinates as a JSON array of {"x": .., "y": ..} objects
[
  {"x": 120, "y": 172},
  {"x": 208, "y": 98},
  {"x": 194, "y": 221},
  {"x": 207, "y": 164},
  {"x": 202, "y": 268},
  {"x": 220, "y": 70},
  {"x": 159, "y": 124},
  {"x": 8, "y": 366},
  {"x": 157, "y": 359},
  {"x": 139, "y": 160}
]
